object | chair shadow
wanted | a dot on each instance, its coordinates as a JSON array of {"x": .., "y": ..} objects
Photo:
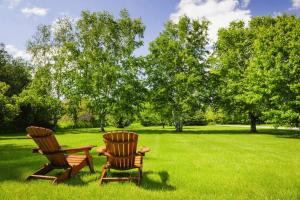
[
  {"x": 147, "y": 182},
  {"x": 162, "y": 185},
  {"x": 78, "y": 181}
]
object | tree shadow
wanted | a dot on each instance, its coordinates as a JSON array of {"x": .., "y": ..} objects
[
  {"x": 16, "y": 161},
  {"x": 292, "y": 134},
  {"x": 14, "y": 138},
  {"x": 289, "y": 136}
]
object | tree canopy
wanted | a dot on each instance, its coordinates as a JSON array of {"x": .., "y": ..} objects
[
  {"x": 87, "y": 69},
  {"x": 258, "y": 69},
  {"x": 177, "y": 69}
]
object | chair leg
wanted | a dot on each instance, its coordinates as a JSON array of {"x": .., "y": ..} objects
[
  {"x": 89, "y": 161},
  {"x": 47, "y": 168},
  {"x": 103, "y": 175},
  {"x": 140, "y": 176},
  {"x": 65, "y": 175}
]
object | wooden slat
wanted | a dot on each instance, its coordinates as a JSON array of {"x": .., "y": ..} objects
[
  {"x": 120, "y": 145},
  {"x": 43, "y": 177},
  {"x": 47, "y": 144},
  {"x": 75, "y": 159}
]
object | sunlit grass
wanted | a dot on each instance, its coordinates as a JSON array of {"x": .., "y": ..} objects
[{"x": 209, "y": 162}]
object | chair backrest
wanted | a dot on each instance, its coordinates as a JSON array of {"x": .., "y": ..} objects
[
  {"x": 48, "y": 144},
  {"x": 122, "y": 146}
]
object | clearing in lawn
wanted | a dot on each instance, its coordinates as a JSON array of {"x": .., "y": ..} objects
[{"x": 209, "y": 162}]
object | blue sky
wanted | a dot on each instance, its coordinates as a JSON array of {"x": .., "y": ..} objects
[{"x": 19, "y": 18}]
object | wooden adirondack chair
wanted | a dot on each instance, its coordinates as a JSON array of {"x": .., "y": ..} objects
[
  {"x": 121, "y": 154},
  {"x": 58, "y": 157}
]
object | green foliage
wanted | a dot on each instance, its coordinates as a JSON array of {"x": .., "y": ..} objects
[
  {"x": 197, "y": 119},
  {"x": 91, "y": 59},
  {"x": 252, "y": 75},
  {"x": 177, "y": 69},
  {"x": 105, "y": 58},
  {"x": 14, "y": 77},
  {"x": 16, "y": 74},
  {"x": 236, "y": 81},
  {"x": 36, "y": 109},
  {"x": 149, "y": 117},
  {"x": 51, "y": 54},
  {"x": 214, "y": 116},
  {"x": 257, "y": 69},
  {"x": 7, "y": 108},
  {"x": 276, "y": 62}
]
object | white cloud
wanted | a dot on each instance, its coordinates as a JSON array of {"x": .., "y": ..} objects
[
  {"x": 219, "y": 12},
  {"x": 295, "y": 4},
  {"x": 12, "y": 3},
  {"x": 16, "y": 53},
  {"x": 34, "y": 11}
]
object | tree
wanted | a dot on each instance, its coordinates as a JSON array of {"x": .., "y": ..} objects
[
  {"x": 257, "y": 69},
  {"x": 14, "y": 72},
  {"x": 36, "y": 109},
  {"x": 7, "y": 109},
  {"x": 276, "y": 57},
  {"x": 106, "y": 45},
  {"x": 239, "y": 89},
  {"x": 14, "y": 77},
  {"x": 129, "y": 93},
  {"x": 52, "y": 49},
  {"x": 176, "y": 71}
]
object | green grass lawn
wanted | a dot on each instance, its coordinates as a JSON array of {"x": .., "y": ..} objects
[{"x": 210, "y": 162}]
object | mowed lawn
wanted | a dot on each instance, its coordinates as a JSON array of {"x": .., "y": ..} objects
[{"x": 209, "y": 162}]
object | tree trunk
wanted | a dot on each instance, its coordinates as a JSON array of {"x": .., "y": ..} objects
[
  {"x": 102, "y": 122},
  {"x": 177, "y": 121},
  {"x": 253, "y": 119},
  {"x": 178, "y": 126},
  {"x": 75, "y": 119}
]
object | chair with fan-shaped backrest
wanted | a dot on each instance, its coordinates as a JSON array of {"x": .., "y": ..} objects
[
  {"x": 122, "y": 154},
  {"x": 58, "y": 157}
]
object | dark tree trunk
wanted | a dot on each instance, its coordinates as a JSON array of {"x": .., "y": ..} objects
[
  {"x": 178, "y": 126},
  {"x": 253, "y": 120},
  {"x": 177, "y": 121},
  {"x": 163, "y": 125},
  {"x": 102, "y": 122},
  {"x": 102, "y": 128},
  {"x": 75, "y": 120}
]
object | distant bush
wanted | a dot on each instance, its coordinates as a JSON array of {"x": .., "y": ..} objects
[
  {"x": 85, "y": 120},
  {"x": 195, "y": 120},
  {"x": 37, "y": 110}
]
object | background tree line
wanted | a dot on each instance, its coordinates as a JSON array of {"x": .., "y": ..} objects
[{"x": 86, "y": 71}]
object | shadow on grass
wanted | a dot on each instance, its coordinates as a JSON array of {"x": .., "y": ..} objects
[
  {"x": 293, "y": 134},
  {"x": 14, "y": 138},
  {"x": 148, "y": 183},
  {"x": 162, "y": 185},
  {"x": 16, "y": 161},
  {"x": 78, "y": 181}
]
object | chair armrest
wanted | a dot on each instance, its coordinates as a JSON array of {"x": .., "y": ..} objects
[
  {"x": 143, "y": 150},
  {"x": 79, "y": 149},
  {"x": 101, "y": 150}
]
